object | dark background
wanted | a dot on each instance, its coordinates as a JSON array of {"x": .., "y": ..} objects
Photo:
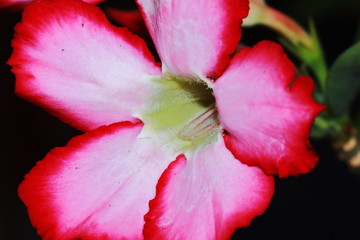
[{"x": 324, "y": 204}]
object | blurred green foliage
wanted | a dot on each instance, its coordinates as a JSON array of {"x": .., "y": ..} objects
[{"x": 343, "y": 83}]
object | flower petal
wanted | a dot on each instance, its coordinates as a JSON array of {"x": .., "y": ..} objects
[
  {"x": 207, "y": 196},
  {"x": 69, "y": 59},
  {"x": 195, "y": 38},
  {"x": 267, "y": 116},
  {"x": 97, "y": 187}
]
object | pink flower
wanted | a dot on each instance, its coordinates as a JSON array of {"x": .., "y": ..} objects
[{"x": 177, "y": 135}]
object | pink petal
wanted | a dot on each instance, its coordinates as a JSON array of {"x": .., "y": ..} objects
[
  {"x": 207, "y": 196},
  {"x": 267, "y": 116},
  {"x": 97, "y": 187},
  {"x": 195, "y": 38},
  {"x": 69, "y": 59}
]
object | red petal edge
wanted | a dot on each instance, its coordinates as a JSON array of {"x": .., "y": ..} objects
[
  {"x": 234, "y": 11},
  {"x": 304, "y": 158},
  {"x": 152, "y": 231},
  {"x": 49, "y": 166},
  {"x": 36, "y": 17}
]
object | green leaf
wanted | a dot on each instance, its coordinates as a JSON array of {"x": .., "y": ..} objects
[{"x": 343, "y": 83}]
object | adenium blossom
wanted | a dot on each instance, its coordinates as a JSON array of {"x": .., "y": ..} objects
[{"x": 178, "y": 151}]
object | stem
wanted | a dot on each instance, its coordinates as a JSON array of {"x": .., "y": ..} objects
[
  {"x": 285, "y": 25},
  {"x": 316, "y": 59}
]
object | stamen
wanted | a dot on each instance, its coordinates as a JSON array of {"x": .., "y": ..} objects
[{"x": 201, "y": 125}]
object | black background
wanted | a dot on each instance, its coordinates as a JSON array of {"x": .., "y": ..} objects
[{"x": 324, "y": 204}]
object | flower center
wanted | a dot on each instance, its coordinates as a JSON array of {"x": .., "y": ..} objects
[
  {"x": 201, "y": 125},
  {"x": 181, "y": 113}
]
